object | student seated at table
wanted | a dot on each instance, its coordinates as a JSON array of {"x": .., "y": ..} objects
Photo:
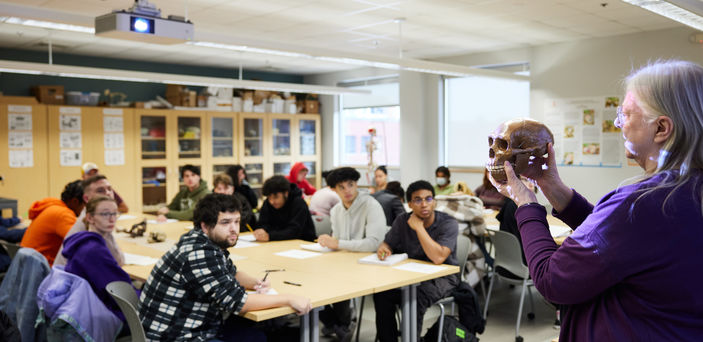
[
  {"x": 297, "y": 175},
  {"x": 87, "y": 253},
  {"x": 51, "y": 219},
  {"x": 391, "y": 201},
  {"x": 324, "y": 199},
  {"x": 284, "y": 215},
  {"x": 241, "y": 184},
  {"x": 358, "y": 225},
  {"x": 222, "y": 184},
  {"x": 93, "y": 187},
  {"x": 181, "y": 207},
  {"x": 90, "y": 170},
  {"x": 424, "y": 234},
  {"x": 195, "y": 284}
]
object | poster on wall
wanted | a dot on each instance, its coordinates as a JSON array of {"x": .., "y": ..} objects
[
  {"x": 70, "y": 140},
  {"x": 69, "y": 122},
  {"x": 113, "y": 123},
  {"x": 113, "y": 140},
  {"x": 21, "y": 158},
  {"x": 19, "y": 139},
  {"x": 19, "y": 122},
  {"x": 584, "y": 131},
  {"x": 114, "y": 157},
  {"x": 70, "y": 158}
]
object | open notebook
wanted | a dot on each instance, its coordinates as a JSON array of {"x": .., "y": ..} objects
[{"x": 390, "y": 260}]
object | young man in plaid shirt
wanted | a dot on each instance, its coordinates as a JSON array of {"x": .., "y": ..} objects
[{"x": 195, "y": 284}]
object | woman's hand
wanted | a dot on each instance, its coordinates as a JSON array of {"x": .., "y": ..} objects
[
  {"x": 513, "y": 187},
  {"x": 544, "y": 172}
]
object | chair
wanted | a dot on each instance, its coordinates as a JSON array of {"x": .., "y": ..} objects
[
  {"x": 323, "y": 225},
  {"x": 123, "y": 293},
  {"x": 463, "y": 247},
  {"x": 508, "y": 266},
  {"x": 10, "y": 247}
]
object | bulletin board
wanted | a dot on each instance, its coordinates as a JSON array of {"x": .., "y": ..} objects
[{"x": 584, "y": 131}]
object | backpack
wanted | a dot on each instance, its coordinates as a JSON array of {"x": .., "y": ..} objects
[
  {"x": 453, "y": 331},
  {"x": 469, "y": 310}
]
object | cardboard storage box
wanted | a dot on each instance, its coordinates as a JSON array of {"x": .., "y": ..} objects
[
  {"x": 49, "y": 94},
  {"x": 312, "y": 107},
  {"x": 19, "y": 100}
]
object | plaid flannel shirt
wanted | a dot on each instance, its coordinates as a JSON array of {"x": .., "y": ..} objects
[{"x": 189, "y": 290}]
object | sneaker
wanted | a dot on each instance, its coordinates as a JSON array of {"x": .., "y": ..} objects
[
  {"x": 345, "y": 334},
  {"x": 327, "y": 331}
]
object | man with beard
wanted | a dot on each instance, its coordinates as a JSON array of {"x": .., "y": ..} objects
[{"x": 195, "y": 283}]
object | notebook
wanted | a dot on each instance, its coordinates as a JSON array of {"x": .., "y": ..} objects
[
  {"x": 316, "y": 247},
  {"x": 390, "y": 260}
]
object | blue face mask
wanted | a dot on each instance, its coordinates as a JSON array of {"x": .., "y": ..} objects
[{"x": 441, "y": 181}]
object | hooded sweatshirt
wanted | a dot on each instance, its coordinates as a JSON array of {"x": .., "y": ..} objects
[
  {"x": 51, "y": 220},
  {"x": 292, "y": 221},
  {"x": 182, "y": 206},
  {"x": 88, "y": 257},
  {"x": 292, "y": 177},
  {"x": 361, "y": 227}
]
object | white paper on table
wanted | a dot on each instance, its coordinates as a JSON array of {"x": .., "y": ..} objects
[
  {"x": 250, "y": 238},
  {"x": 245, "y": 244},
  {"x": 297, "y": 254},
  {"x": 188, "y": 227},
  {"x": 420, "y": 268},
  {"x": 493, "y": 227},
  {"x": 157, "y": 222},
  {"x": 559, "y": 231},
  {"x": 316, "y": 247},
  {"x": 388, "y": 261},
  {"x": 235, "y": 257},
  {"x": 271, "y": 291},
  {"x": 126, "y": 217},
  {"x": 134, "y": 259}
]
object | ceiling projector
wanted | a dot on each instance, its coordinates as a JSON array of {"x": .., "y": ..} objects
[{"x": 143, "y": 22}]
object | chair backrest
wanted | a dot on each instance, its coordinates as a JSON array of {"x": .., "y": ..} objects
[
  {"x": 509, "y": 254},
  {"x": 10, "y": 247},
  {"x": 323, "y": 225},
  {"x": 463, "y": 247},
  {"x": 126, "y": 298}
]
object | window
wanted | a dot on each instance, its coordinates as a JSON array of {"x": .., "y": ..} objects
[
  {"x": 360, "y": 113},
  {"x": 474, "y": 107}
]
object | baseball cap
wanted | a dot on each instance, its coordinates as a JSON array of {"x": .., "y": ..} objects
[{"x": 87, "y": 167}]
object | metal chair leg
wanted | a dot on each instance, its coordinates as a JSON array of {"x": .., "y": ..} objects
[
  {"x": 519, "y": 312},
  {"x": 488, "y": 298},
  {"x": 361, "y": 313},
  {"x": 441, "y": 322}
]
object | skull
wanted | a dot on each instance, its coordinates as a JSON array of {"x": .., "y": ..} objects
[{"x": 516, "y": 141}]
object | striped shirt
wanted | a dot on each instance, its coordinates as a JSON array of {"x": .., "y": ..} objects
[{"x": 189, "y": 290}]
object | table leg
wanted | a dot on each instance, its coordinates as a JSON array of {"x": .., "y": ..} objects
[
  {"x": 413, "y": 313},
  {"x": 305, "y": 328},
  {"x": 315, "y": 325},
  {"x": 405, "y": 324}
]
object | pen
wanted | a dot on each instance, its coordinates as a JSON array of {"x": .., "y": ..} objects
[
  {"x": 279, "y": 270},
  {"x": 290, "y": 283},
  {"x": 263, "y": 280},
  {"x": 249, "y": 227}
]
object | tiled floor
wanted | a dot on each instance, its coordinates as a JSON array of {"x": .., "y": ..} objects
[{"x": 500, "y": 326}]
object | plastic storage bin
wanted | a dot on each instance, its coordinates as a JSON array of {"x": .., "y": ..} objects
[{"x": 79, "y": 98}]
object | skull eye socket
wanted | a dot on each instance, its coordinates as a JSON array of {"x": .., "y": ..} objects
[
  {"x": 490, "y": 141},
  {"x": 491, "y": 154},
  {"x": 502, "y": 144}
]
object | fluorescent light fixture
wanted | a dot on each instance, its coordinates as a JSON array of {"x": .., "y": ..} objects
[
  {"x": 47, "y": 25},
  {"x": 687, "y": 12},
  {"x": 152, "y": 77}
]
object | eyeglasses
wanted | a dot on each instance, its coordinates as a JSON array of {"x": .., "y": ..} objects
[
  {"x": 418, "y": 200},
  {"x": 620, "y": 118},
  {"x": 108, "y": 215}
]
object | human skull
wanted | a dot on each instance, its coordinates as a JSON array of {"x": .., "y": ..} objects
[{"x": 516, "y": 141}]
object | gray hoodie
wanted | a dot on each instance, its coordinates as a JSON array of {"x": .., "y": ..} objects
[{"x": 362, "y": 227}]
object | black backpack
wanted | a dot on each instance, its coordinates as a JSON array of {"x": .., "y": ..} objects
[
  {"x": 453, "y": 331},
  {"x": 470, "y": 314}
]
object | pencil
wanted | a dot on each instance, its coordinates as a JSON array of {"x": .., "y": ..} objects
[
  {"x": 291, "y": 283},
  {"x": 263, "y": 280},
  {"x": 249, "y": 227}
]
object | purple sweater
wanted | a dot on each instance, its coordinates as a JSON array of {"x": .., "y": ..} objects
[{"x": 629, "y": 272}]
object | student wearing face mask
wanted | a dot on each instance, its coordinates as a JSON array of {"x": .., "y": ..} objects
[{"x": 444, "y": 186}]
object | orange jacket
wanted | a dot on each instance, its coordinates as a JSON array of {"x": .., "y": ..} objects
[{"x": 51, "y": 220}]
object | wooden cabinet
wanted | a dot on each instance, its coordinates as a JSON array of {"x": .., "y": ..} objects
[{"x": 24, "y": 154}]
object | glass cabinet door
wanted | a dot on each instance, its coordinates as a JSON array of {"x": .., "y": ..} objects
[
  {"x": 222, "y": 137},
  {"x": 312, "y": 172},
  {"x": 153, "y": 137},
  {"x": 153, "y": 188},
  {"x": 253, "y": 137},
  {"x": 281, "y": 137},
  {"x": 281, "y": 169},
  {"x": 255, "y": 175},
  {"x": 307, "y": 138},
  {"x": 188, "y": 137}
]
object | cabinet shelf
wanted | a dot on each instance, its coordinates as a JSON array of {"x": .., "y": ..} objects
[
  {"x": 148, "y": 185},
  {"x": 253, "y": 138},
  {"x": 153, "y": 153},
  {"x": 189, "y": 139},
  {"x": 152, "y": 138},
  {"x": 222, "y": 138}
]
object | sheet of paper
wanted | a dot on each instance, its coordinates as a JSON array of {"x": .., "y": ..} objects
[
  {"x": 113, "y": 140},
  {"x": 69, "y": 122},
  {"x": 297, "y": 254},
  {"x": 126, "y": 217},
  {"x": 392, "y": 259},
  {"x": 114, "y": 157},
  {"x": 134, "y": 259},
  {"x": 157, "y": 222},
  {"x": 245, "y": 244},
  {"x": 248, "y": 237},
  {"x": 113, "y": 124},
  {"x": 21, "y": 158},
  {"x": 420, "y": 268},
  {"x": 19, "y": 139},
  {"x": 235, "y": 257},
  {"x": 70, "y": 157},
  {"x": 316, "y": 247},
  {"x": 493, "y": 227},
  {"x": 271, "y": 291},
  {"x": 70, "y": 140},
  {"x": 20, "y": 122},
  {"x": 559, "y": 231}
]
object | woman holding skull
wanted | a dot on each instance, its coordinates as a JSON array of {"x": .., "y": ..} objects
[{"x": 631, "y": 269}]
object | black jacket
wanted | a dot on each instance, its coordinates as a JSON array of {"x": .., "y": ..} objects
[
  {"x": 248, "y": 216},
  {"x": 292, "y": 221},
  {"x": 248, "y": 193},
  {"x": 392, "y": 206}
]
